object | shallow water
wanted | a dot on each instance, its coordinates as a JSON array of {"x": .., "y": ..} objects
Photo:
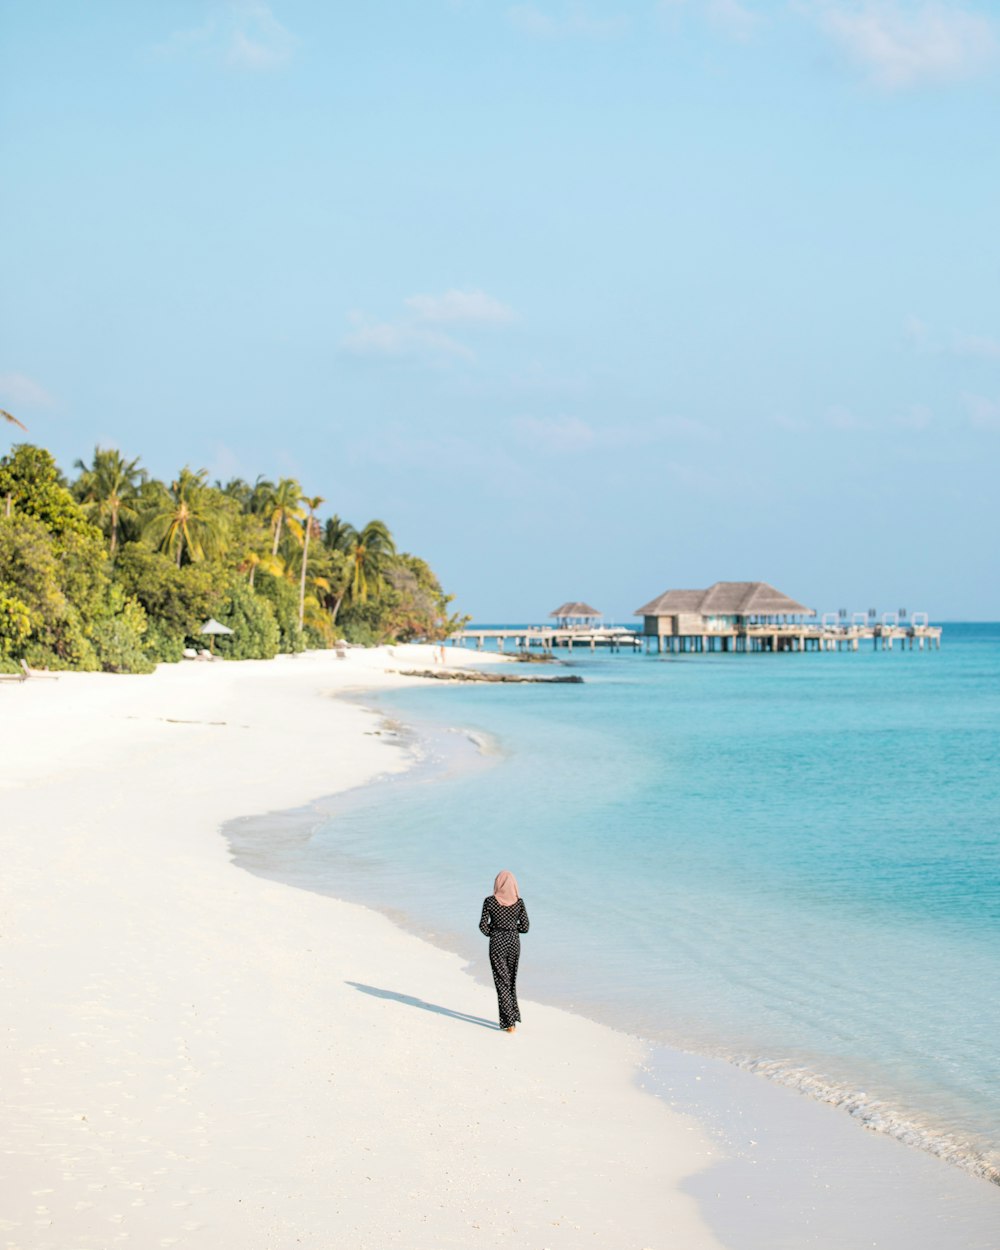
[{"x": 790, "y": 861}]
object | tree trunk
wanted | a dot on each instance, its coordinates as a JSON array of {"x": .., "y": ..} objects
[
  {"x": 302, "y": 580},
  {"x": 277, "y": 536},
  {"x": 114, "y": 531},
  {"x": 336, "y": 606}
]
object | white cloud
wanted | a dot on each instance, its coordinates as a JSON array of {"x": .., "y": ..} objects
[
  {"x": 242, "y": 33},
  {"x": 979, "y": 345},
  {"x": 416, "y": 333},
  {"x": 921, "y": 336},
  {"x": 18, "y": 390},
  {"x": 460, "y": 306},
  {"x": 400, "y": 338},
  {"x": 258, "y": 39},
  {"x": 909, "y": 43},
  {"x": 574, "y": 19},
  {"x": 984, "y": 414}
]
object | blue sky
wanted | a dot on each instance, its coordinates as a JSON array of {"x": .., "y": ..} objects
[{"x": 585, "y": 300}]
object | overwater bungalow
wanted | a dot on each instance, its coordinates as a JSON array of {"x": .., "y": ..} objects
[
  {"x": 725, "y": 611},
  {"x": 575, "y": 615},
  {"x": 754, "y": 616},
  {"x": 724, "y": 607}
]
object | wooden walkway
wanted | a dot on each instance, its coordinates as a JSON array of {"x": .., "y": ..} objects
[
  {"x": 616, "y": 638},
  {"x": 802, "y": 638},
  {"x": 754, "y": 638}
]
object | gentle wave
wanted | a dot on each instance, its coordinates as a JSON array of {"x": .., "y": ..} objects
[
  {"x": 485, "y": 743},
  {"x": 878, "y": 1115}
]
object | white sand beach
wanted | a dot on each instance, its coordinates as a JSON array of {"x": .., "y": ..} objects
[{"x": 196, "y": 1057}]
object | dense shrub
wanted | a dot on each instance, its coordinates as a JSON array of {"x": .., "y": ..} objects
[
  {"x": 251, "y": 618},
  {"x": 118, "y": 636},
  {"x": 15, "y": 625},
  {"x": 35, "y": 576},
  {"x": 361, "y": 633},
  {"x": 284, "y": 600},
  {"x": 29, "y": 480},
  {"x": 177, "y": 601},
  {"x": 161, "y": 646},
  {"x": 408, "y": 606}
]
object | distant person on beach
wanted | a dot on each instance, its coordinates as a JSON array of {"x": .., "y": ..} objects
[{"x": 504, "y": 918}]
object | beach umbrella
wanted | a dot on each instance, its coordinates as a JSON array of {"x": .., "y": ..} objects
[{"x": 213, "y": 627}]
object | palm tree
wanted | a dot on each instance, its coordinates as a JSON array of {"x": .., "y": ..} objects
[
  {"x": 187, "y": 518},
  {"x": 283, "y": 510},
  {"x": 337, "y": 534},
  {"x": 7, "y": 416},
  {"x": 236, "y": 488},
  {"x": 260, "y": 495},
  {"x": 312, "y": 503},
  {"x": 368, "y": 551},
  {"x": 108, "y": 490},
  {"x": 266, "y": 563},
  {"x": 340, "y": 536}
]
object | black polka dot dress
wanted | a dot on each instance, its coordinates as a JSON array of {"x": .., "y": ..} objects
[{"x": 502, "y": 925}]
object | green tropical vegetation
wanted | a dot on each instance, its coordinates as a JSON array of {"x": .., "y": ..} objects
[{"x": 116, "y": 570}]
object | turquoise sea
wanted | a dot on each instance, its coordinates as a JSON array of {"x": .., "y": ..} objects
[{"x": 791, "y": 861}]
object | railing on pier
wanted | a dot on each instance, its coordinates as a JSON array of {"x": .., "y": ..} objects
[
  {"x": 812, "y": 636},
  {"x": 614, "y": 637},
  {"x": 802, "y": 637}
]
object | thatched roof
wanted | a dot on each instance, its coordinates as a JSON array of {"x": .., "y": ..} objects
[
  {"x": 671, "y": 602},
  {"x": 575, "y": 609},
  {"x": 725, "y": 599}
]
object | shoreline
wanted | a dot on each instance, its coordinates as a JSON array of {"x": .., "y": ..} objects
[
  {"x": 147, "y": 1121},
  {"x": 201, "y": 1057},
  {"x": 912, "y": 1186}
]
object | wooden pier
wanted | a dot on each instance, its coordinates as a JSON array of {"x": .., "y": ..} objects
[
  {"x": 545, "y": 638},
  {"x": 727, "y": 616},
  {"x": 800, "y": 638},
  {"x": 752, "y": 638}
]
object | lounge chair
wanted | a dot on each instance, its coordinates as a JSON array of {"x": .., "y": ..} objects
[{"x": 36, "y": 672}]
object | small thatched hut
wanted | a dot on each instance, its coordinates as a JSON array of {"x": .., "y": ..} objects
[
  {"x": 725, "y": 607},
  {"x": 575, "y": 615}
]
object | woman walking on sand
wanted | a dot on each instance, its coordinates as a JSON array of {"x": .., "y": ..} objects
[{"x": 504, "y": 917}]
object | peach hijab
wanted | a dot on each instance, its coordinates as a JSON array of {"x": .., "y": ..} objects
[{"x": 505, "y": 889}]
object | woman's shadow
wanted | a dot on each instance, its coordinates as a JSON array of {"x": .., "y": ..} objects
[{"x": 409, "y": 1000}]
